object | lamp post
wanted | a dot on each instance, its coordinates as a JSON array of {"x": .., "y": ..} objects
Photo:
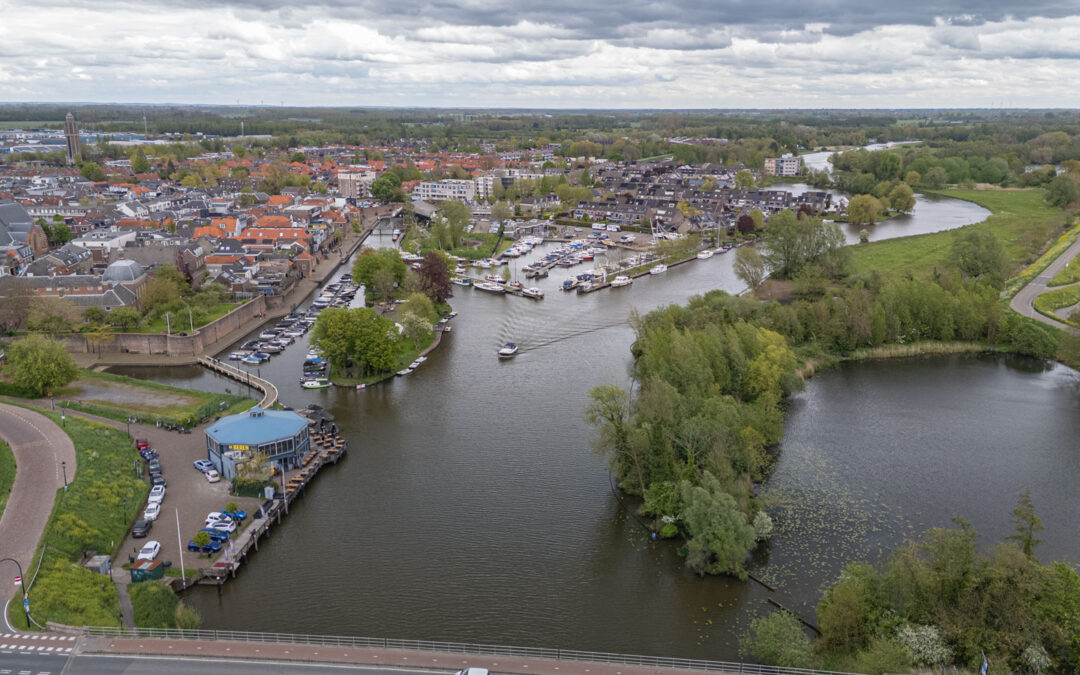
[
  {"x": 63, "y": 419},
  {"x": 22, "y": 583},
  {"x": 63, "y": 467},
  {"x": 124, "y": 500}
]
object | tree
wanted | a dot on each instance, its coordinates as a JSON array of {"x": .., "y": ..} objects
[
  {"x": 387, "y": 188},
  {"x": 1027, "y": 524},
  {"x": 139, "y": 162},
  {"x": 382, "y": 284},
  {"x": 902, "y": 198},
  {"x": 1062, "y": 191},
  {"x": 434, "y": 276},
  {"x": 791, "y": 243},
  {"x": 201, "y": 538},
  {"x": 719, "y": 534},
  {"x": 457, "y": 216},
  {"x": 124, "y": 318},
  {"x": 91, "y": 171},
  {"x": 418, "y": 304},
  {"x": 39, "y": 364},
  {"x": 913, "y": 178},
  {"x": 609, "y": 411},
  {"x": 758, "y": 218},
  {"x": 15, "y": 295},
  {"x": 501, "y": 212},
  {"x": 745, "y": 224},
  {"x": 778, "y": 639},
  {"x": 979, "y": 255},
  {"x": 744, "y": 180},
  {"x": 52, "y": 314},
  {"x": 863, "y": 209},
  {"x": 94, "y": 314},
  {"x": 934, "y": 178},
  {"x": 415, "y": 327},
  {"x": 750, "y": 266}
]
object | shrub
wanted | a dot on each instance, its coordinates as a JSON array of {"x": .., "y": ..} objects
[{"x": 777, "y": 639}]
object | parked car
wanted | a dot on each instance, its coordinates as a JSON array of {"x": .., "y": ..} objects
[
  {"x": 472, "y": 671},
  {"x": 238, "y": 514},
  {"x": 142, "y": 527},
  {"x": 157, "y": 479},
  {"x": 148, "y": 454},
  {"x": 204, "y": 465},
  {"x": 153, "y": 510},
  {"x": 212, "y": 547},
  {"x": 142, "y": 444},
  {"x": 212, "y": 476},
  {"x": 225, "y": 525},
  {"x": 149, "y": 551},
  {"x": 215, "y": 534},
  {"x": 214, "y": 515},
  {"x": 154, "y": 466},
  {"x": 157, "y": 494}
]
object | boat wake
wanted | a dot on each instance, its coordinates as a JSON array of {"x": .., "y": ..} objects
[{"x": 532, "y": 330}]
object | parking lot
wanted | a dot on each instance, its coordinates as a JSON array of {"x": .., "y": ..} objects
[{"x": 187, "y": 495}]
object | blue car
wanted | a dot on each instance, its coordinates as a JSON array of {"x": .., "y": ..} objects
[
  {"x": 237, "y": 515},
  {"x": 215, "y": 534},
  {"x": 212, "y": 547}
]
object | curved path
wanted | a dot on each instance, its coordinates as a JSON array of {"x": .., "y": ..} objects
[
  {"x": 39, "y": 447},
  {"x": 1022, "y": 301}
]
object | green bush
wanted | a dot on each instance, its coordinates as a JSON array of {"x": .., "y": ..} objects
[
  {"x": 882, "y": 656},
  {"x": 777, "y": 639},
  {"x": 156, "y": 606},
  {"x": 69, "y": 594}
]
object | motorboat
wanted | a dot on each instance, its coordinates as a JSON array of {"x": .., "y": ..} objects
[
  {"x": 658, "y": 269},
  {"x": 489, "y": 286},
  {"x": 268, "y": 335},
  {"x": 570, "y": 284},
  {"x": 253, "y": 358},
  {"x": 239, "y": 356},
  {"x": 250, "y": 345},
  {"x": 483, "y": 264},
  {"x": 404, "y": 371},
  {"x": 706, "y": 254},
  {"x": 462, "y": 281},
  {"x": 621, "y": 280},
  {"x": 508, "y": 350},
  {"x": 533, "y": 292},
  {"x": 315, "y": 383}
]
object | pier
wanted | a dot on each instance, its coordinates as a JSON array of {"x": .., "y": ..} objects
[{"x": 270, "y": 392}]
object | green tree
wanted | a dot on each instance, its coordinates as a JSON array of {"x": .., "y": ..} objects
[
  {"x": 39, "y": 364},
  {"x": 94, "y": 314},
  {"x": 935, "y": 178},
  {"x": 1027, "y": 524},
  {"x": 139, "y": 162},
  {"x": 1062, "y": 191},
  {"x": 778, "y": 639},
  {"x": 201, "y": 538},
  {"x": 420, "y": 305},
  {"x": 913, "y": 178},
  {"x": 744, "y": 180},
  {"x": 750, "y": 266},
  {"x": 863, "y": 209},
  {"x": 720, "y": 536},
  {"x": 979, "y": 255},
  {"x": 387, "y": 188},
  {"x": 457, "y": 216},
  {"x": 124, "y": 318},
  {"x": 92, "y": 171},
  {"x": 501, "y": 211},
  {"x": 902, "y": 198},
  {"x": 791, "y": 243},
  {"x": 609, "y": 412},
  {"x": 416, "y": 328}
]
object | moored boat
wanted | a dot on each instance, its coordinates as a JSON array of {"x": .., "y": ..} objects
[
  {"x": 658, "y": 269},
  {"x": 315, "y": 383},
  {"x": 489, "y": 286},
  {"x": 706, "y": 254},
  {"x": 621, "y": 280},
  {"x": 533, "y": 292}
]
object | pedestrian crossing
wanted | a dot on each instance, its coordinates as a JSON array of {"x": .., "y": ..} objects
[{"x": 35, "y": 643}]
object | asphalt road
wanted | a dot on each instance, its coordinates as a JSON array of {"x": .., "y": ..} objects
[
  {"x": 164, "y": 665},
  {"x": 1022, "y": 301},
  {"x": 39, "y": 447}
]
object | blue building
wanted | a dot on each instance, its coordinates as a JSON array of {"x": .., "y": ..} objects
[{"x": 281, "y": 435}]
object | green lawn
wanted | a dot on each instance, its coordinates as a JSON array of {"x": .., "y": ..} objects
[
  {"x": 90, "y": 515},
  {"x": 1020, "y": 219},
  {"x": 7, "y": 474},
  {"x": 1050, "y": 302},
  {"x": 1069, "y": 274},
  {"x": 180, "y": 323}
]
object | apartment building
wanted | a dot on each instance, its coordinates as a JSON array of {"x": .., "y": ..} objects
[
  {"x": 783, "y": 166},
  {"x": 440, "y": 191}
]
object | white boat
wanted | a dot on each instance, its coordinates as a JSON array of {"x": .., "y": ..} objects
[
  {"x": 489, "y": 286},
  {"x": 658, "y": 269},
  {"x": 621, "y": 280},
  {"x": 317, "y": 383},
  {"x": 706, "y": 254},
  {"x": 405, "y": 371},
  {"x": 268, "y": 335},
  {"x": 462, "y": 281},
  {"x": 238, "y": 356},
  {"x": 508, "y": 350},
  {"x": 534, "y": 293},
  {"x": 483, "y": 264}
]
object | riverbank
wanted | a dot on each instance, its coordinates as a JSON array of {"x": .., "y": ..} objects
[{"x": 814, "y": 365}]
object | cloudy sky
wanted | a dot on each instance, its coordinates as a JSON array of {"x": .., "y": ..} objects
[{"x": 545, "y": 53}]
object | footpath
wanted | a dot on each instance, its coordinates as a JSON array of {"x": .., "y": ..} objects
[
  {"x": 39, "y": 447},
  {"x": 1023, "y": 301}
]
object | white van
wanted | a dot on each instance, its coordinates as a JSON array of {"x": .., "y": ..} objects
[{"x": 614, "y": 228}]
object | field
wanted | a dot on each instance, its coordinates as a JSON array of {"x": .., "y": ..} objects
[
  {"x": 1069, "y": 274},
  {"x": 1020, "y": 219},
  {"x": 118, "y": 397},
  {"x": 91, "y": 515},
  {"x": 180, "y": 322}
]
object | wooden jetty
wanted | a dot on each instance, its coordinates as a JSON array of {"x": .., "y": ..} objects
[{"x": 270, "y": 392}]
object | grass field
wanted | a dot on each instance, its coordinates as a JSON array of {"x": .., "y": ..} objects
[
  {"x": 1069, "y": 274},
  {"x": 7, "y": 474},
  {"x": 117, "y": 397},
  {"x": 1020, "y": 219},
  {"x": 1050, "y": 302},
  {"x": 90, "y": 515},
  {"x": 181, "y": 323}
]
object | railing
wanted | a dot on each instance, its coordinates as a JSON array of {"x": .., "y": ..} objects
[
  {"x": 660, "y": 662},
  {"x": 270, "y": 392}
]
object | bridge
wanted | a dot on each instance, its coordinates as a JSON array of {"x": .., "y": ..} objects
[
  {"x": 270, "y": 392},
  {"x": 109, "y": 650}
]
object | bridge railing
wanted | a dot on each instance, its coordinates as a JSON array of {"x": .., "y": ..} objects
[{"x": 659, "y": 662}]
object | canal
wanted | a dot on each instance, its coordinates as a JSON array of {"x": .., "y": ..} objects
[{"x": 471, "y": 507}]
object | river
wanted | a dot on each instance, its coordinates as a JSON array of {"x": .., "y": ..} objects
[{"x": 471, "y": 508}]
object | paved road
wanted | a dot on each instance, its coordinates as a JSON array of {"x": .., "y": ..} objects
[
  {"x": 165, "y": 665},
  {"x": 1022, "y": 301},
  {"x": 39, "y": 447}
]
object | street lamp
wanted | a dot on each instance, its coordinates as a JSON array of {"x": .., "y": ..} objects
[
  {"x": 63, "y": 467},
  {"x": 124, "y": 500},
  {"x": 63, "y": 419},
  {"x": 22, "y": 583}
]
